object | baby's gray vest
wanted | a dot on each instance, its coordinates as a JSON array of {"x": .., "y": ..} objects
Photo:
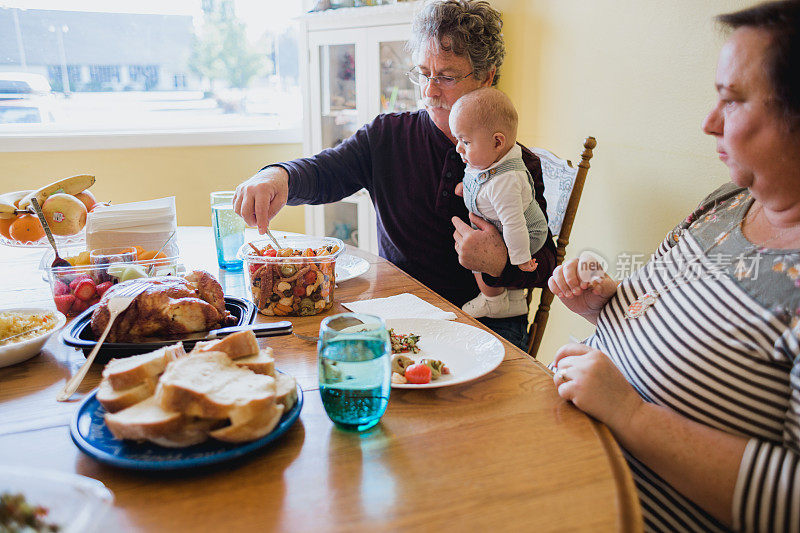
[{"x": 537, "y": 223}]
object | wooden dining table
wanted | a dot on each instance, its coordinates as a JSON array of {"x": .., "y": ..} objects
[{"x": 502, "y": 452}]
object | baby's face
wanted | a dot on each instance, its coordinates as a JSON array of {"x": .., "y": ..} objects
[{"x": 476, "y": 145}]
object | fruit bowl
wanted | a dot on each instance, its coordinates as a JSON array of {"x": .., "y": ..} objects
[{"x": 32, "y": 229}]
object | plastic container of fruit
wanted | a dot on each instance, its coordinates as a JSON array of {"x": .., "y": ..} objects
[
  {"x": 299, "y": 280},
  {"x": 76, "y": 288}
]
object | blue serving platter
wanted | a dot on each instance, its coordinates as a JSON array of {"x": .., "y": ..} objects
[{"x": 89, "y": 433}]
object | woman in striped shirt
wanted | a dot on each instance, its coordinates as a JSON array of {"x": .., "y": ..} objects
[{"x": 695, "y": 363}]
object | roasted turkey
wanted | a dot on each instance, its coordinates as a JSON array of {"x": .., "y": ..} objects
[{"x": 169, "y": 306}]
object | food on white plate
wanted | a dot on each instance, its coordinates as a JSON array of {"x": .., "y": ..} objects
[
  {"x": 202, "y": 394},
  {"x": 403, "y": 342},
  {"x": 169, "y": 305},
  {"x": 65, "y": 214},
  {"x": 400, "y": 362},
  {"x": 17, "y": 514},
  {"x": 406, "y": 370},
  {"x": 18, "y": 326},
  {"x": 292, "y": 282}
]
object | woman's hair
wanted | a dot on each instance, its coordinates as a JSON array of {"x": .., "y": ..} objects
[
  {"x": 782, "y": 20},
  {"x": 469, "y": 28}
]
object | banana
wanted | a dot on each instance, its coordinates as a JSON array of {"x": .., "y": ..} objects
[
  {"x": 7, "y": 207},
  {"x": 71, "y": 185}
]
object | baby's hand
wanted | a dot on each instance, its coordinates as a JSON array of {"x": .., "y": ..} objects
[
  {"x": 529, "y": 266},
  {"x": 460, "y": 189}
]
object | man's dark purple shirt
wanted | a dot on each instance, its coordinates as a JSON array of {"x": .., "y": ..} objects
[{"x": 410, "y": 169}]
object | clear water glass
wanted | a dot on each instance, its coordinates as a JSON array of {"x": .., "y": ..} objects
[
  {"x": 354, "y": 363},
  {"x": 228, "y": 230}
]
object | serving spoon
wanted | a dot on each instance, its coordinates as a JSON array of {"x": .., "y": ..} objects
[{"x": 57, "y": 262}]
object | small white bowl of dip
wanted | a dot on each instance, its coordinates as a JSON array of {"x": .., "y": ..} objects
[{"x": 23, "y": 347}]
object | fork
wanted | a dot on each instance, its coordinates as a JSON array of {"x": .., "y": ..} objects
[{"x": 116, "y": 305}]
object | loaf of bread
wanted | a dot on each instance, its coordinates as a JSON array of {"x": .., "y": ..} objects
[
  {"x": 235, "y": 345},
  {"x": 131, "y": 371},
  {"x": 226, "y": 389}
]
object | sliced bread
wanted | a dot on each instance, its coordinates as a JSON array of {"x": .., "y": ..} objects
[
  {"x": 255, "y": 428},
  {"x": 129, "y": 372},
  {"x": 261, "y": 363},
  {"x": 239, "y": 344},
  {"x": 114, "y": 400},
  {"x": 285, "y": 390},
  {"x": 210, "y": 385}
]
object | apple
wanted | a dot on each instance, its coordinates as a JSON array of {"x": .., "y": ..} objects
[
  {"x": 87, "y": 198},
  {"x": 65, "y": 214}
]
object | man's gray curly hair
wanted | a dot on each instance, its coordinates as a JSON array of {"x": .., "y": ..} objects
[{"x": 469, "y": 28}]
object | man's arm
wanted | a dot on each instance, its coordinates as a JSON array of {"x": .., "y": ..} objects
[
  {"x": 332, "y": 174},
  {"x": 483, "y": 250},
  {"x": 326, "y": 177}
]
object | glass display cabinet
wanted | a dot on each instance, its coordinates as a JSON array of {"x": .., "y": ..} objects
[{"x": 354, "y": 69}]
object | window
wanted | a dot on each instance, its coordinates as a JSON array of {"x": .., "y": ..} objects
[{"x": 149, "y": 68}]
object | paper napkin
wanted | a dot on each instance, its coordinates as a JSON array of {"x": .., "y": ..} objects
[{"x": 400, "y": 306}]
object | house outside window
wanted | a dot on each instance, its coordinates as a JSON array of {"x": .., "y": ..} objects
[{"x": 145, "y": 67}]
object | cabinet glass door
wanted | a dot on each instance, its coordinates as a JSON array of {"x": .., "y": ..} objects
[
  {"x": 339, "y": 113},
  {"x": 397, "y": 93}
]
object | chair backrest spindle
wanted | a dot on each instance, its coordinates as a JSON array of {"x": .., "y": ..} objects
[{"x": 563, "y": 188}]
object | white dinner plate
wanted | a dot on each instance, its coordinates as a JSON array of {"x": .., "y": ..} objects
[
  {"x": 349, "y": 267},
  {"x": 467, "y": 351}
]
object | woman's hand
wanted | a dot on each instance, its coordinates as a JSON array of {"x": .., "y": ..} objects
[
  {"x": 480, "y": 249},
  {"x": 259, "y": 199},
  {"x": 584, "y": 297},
  {"x": 589, "y": 379}
]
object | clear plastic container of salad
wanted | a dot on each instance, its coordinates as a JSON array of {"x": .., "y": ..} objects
[{"x": 297, "y": 280}]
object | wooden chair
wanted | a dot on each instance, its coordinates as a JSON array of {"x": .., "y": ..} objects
[{"x": 563, "y": 185}]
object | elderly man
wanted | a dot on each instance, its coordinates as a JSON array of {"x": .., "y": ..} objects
[{"x": 409, "y": 165}]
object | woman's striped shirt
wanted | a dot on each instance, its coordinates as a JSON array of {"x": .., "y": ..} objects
[{"x": 719, "y": 346}]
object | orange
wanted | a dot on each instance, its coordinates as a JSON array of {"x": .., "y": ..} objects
[
  {"x": 26, "y": 228},
  {"x": 5, "y": 225},
  {"x": 147, "y": 255}
]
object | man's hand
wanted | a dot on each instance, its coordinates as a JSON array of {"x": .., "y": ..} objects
[
  {"x": 259, "y": 199},
  {"x": 480, "y": 249}
]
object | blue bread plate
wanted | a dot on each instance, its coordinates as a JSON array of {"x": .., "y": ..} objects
[{"x": 89, "y": 433}]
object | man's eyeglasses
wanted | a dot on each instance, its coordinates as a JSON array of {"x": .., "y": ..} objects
[{"x": 418, "y": 78}]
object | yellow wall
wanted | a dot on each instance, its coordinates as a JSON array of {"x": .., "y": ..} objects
[
  {"x": 188, "y": 173},
  {"x": 636, "y": 74},
  {"x": 639, "y": 76}
]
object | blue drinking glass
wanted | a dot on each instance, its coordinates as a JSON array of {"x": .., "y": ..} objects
[
  {"x": 354, "y": 363},
  {"x": 228, "y": 230}
]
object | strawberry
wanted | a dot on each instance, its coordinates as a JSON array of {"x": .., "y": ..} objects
[
  {"x": 85, "y": 290},
  {"x": 64, "y": 302},
  {"x": 60, "y": 288},
  {"x": 103, "y": 287},
  {"x": 78, "y": 279},
  {"x": 79, "y": 306}
]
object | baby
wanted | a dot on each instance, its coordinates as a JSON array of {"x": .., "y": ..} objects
[{"x": 498, "y": 187}]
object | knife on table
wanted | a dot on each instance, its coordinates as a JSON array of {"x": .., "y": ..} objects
[{"x": 271, "y": 329}]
